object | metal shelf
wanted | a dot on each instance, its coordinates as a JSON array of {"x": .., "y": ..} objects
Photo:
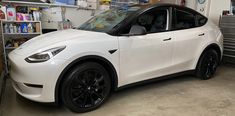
[
  {"x": 21, "y": 33},
  {"x": 23, "y": 3},
  {"x": 8, "y": 21},
  {"x": 7, "y": 36},
  {"x": 10, "y": 48}
]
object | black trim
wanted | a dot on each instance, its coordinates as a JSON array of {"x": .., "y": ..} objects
[
  {"x": 201, "y": 34},
  {"x": 189, "y": 72},
  {"x": 112, "y": 51},
  {"x": 80, "y": 60},
  {"x": 190, "y": 11},
  {"x": 167, "y": 39},
  {"x": 122, "y": 25},
  {"x": 33, "y": 85}
]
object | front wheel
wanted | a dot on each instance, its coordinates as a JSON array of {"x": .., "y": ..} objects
[
  {"x": 86, "y": 87},
  {"x": 208, "y": 64}
]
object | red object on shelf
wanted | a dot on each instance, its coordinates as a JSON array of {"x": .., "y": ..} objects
[{"x": 2, "y": 15}]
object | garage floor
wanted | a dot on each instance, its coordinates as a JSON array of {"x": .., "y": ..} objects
[{"x": 181, "y": 96}]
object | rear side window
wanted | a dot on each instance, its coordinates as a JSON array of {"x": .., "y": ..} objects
[
  {"x": 183, "y": 20},
  {"x": 201, "y": 20}
]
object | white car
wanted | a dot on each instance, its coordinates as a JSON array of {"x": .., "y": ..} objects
[{"x": 115, "y": 49}]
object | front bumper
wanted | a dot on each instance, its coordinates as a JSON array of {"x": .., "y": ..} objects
[{"x": 35, "y": 81}]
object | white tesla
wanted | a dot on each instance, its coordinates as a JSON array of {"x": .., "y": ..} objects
[{"x": 119, "y": 47}]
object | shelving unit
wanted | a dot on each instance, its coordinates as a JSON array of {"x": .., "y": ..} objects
[
  {"x": 227, "y": 25},
  {"x": 14, "y": 36},
  {"x": 7, "y": 36},
  {"x": 23, "y": 3}
]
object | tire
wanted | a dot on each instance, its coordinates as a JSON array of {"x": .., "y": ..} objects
[
  {"x": 86, "y": 87},
  {"x": 207, "y": 65}
]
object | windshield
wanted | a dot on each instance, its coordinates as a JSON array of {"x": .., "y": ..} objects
[{"x": 105, "y": 21}]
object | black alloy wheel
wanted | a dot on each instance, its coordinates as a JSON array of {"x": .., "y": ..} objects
[
  {"x": 208, "y": 64},
  {"x": 86, "y": 88}
]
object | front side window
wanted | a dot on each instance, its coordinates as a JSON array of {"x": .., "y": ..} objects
[
  {"x": 183, "y": 20},
  {"x": 153, "y": 21}
]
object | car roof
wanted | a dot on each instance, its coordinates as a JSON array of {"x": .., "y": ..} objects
[{"x": 147, "y": 6}]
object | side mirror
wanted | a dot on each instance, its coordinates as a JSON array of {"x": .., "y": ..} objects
[{"x": 137, "y": 30}]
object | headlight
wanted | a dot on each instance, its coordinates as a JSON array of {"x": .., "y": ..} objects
[{"x": 45, "y": 55}]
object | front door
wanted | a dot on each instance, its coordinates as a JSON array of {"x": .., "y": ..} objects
[{"x": 147, "y": 56}]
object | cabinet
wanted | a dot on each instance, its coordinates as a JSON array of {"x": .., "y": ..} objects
[{"x": 15, "y": 33}]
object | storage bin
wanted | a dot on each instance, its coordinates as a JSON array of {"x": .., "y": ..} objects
[
  {"x": 69, "y": 2},
  {"x": 92, "y": 5}
]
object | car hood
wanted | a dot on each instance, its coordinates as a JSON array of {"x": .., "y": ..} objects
[{"x": 43, "y": 41}]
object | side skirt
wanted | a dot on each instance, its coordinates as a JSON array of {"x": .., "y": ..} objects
[{"x": 189, "y": 72}]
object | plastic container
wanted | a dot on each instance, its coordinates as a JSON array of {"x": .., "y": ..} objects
[
  {"x": 11, "y": 14},
  {"x": 11, "y": 28},
  {"x": 71, "y": 2},
  {"x": 6, "y": 28},
  {"x": 68, "y": 2},
  {"x": 30, "y": 28},
  {"x": 24, "y": 28}
]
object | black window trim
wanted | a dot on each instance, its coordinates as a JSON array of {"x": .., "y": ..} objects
[
  {"x": 169, "y": 18},
  {"x": 190, "y": 11},
  {"x": 115, "y": 31}
]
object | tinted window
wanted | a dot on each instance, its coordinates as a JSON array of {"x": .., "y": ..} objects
[
  {"x": 201, "y": 20},
  {"x": 154, "y": 21},
  {"x": 183, "y": 20}
]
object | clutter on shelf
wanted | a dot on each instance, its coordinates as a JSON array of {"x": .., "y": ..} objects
[
  {"x": 21, "y": 13},
  {"x": 14, "y": 43},
  {"x": 21, "y": 27},
  {"x": 2, "y": 12}
]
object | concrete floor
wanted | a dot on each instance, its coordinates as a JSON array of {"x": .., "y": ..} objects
[{"x": 181, "y": 96}]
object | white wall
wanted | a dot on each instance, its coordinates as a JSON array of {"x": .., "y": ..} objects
[
  {"x": 76, "y": 16},
  {"x": 168, "y": 1},
  {"x": 216, "y": 8},
  {"x": 191, "y": 4}
]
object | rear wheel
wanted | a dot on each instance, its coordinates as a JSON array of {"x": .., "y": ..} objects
[
  {"x": 86, "y": 87},
  {"x": 207, "y": 65}
]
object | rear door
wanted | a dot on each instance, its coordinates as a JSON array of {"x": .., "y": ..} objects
[{"x": 187, "y": 38}]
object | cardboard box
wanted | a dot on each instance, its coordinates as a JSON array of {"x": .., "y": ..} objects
[
  {"x": 38, "y": 30},
  {"x": 92, "y": 1},
  {"x": 92, "y": 5},
  {"x": 153, "y": 1}
]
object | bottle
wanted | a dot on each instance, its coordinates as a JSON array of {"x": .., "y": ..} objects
[
  {"x": 19, "y": 29},
  {"x": 15, "y": 29},
  {"x": 6, "y": 28},
  {"x": 30, "y": 28},
  {"x": 24, "y": 28},
  {"x": 11, "y": 28}
]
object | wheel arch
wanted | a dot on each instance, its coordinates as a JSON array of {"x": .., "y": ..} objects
[
  {"x": 90, "y": 58},
  {"x": 213, "y": 46}
]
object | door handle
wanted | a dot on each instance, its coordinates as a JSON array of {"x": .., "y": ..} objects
[
  {"x": 167, "y": 39},
  {"x": 201, "y": 34}
]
